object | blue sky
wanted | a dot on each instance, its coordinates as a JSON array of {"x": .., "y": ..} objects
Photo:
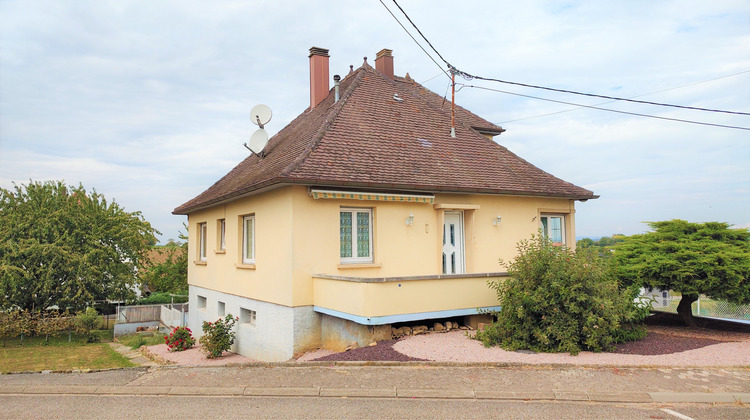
[{"x": 148, "y": 102}]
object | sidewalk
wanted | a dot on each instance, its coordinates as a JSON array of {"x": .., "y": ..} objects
[{"x": 440, "y": 381}]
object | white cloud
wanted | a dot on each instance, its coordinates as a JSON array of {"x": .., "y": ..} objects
[{"x": 148, "y": 103}]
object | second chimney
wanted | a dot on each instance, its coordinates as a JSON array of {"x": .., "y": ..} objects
[
  {"x": 384, "y": 62},
  {"x": 318, "y": 75}
]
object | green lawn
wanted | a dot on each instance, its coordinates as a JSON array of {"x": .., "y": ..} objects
[
  {"x": 58, "y": 354},
  {"x": 141, "y": 339}
]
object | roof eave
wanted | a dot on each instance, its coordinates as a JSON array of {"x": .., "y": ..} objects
[{"x": 285, "y": 181}]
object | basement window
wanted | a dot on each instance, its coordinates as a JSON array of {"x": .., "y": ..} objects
[
  {"x": 247, "y": 316},
  {"x": 201, "y": 302}
]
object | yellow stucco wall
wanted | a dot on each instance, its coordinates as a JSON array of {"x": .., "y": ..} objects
[
  {"x": 270, "y": 278},
  {"x": 404, "y": 297},
  {"x": 298, "y": 236}
]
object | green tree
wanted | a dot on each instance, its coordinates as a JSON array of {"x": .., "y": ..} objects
[
  {"x": 170, "y": 274},
  {"x": 557, "y": 300},
  {"x": 690, "y": 258},
  {"x": 61, "y": 245}
]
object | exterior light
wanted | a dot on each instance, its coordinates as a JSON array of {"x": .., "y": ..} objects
[
  {"x": 496, "y": 220},
  {"x": 410, "y": 219}
]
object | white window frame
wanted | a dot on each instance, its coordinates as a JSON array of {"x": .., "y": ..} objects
[
  {"x": 222, "y": 234},
  {"x": 202, "y": 302},
  {"x": 549, "y": 216},
  {"x": 355, "y": 259},
  {"x": 202, "y": 246},
  {"x": 248, "y": 258}
]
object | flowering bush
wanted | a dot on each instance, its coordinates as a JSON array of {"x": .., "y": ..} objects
[
  {"x": 218, "y": 336},
  {"x": 180, "y": 339}
]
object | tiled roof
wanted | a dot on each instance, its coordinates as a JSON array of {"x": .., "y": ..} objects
[{"x": 370, "y": 140}]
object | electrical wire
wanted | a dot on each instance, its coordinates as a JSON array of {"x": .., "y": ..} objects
[
  {"x": 614, "y": 98},
  {"x": 609, "y": 109},
  {"x": 415, "y": 40},
  {"x": 637, "y": 96},
  {"x": 469, "y": 76},
  {"x": 421, "y": 34}
]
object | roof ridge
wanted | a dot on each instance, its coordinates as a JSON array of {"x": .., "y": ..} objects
[{"x": 332, "y": 115}]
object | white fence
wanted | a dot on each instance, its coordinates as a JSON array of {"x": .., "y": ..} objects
[
  {"x": 667, "y": 301},
  {"x": 174, "y": 315},
  {"x": 171, "y": 315}
]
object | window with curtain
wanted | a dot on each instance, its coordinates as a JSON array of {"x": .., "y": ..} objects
[{"x": 355, "y": 233}]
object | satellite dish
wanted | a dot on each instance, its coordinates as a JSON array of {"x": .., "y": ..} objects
[
  {"x": 260, "y": 115},
  {"x": 258, "y": 141}
]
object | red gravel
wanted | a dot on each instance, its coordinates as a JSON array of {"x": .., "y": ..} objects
[
  {"x": 666, "y": 335},
  {"x": 382, "y": 352},
  {"x": 658, "y": 343}
]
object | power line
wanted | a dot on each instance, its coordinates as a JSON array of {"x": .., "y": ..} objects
[
  {"x": 614, "y": 98},
  {"x": 637, "y": 96},
  {"x": 470, "y": 76},
  {"x": 415, "y": 40},
  {"x": 609, "y": 109}
]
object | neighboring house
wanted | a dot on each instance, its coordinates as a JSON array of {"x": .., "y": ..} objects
[{"x": 365, "y": 212}]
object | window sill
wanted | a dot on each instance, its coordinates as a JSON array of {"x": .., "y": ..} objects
[
  {"x": 245, "y": 266},
  {"x": 220, "y": 251},
  {"x": 359, "y": 265},
  {"x": 200, "y": 262}
]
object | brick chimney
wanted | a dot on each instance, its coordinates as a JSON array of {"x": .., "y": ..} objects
[
  {"x": 384, "y": 63},
  {"x": 318, "y": 75}
]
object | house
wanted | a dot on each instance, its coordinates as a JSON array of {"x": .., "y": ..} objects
[{"x": 362, "y": 213}]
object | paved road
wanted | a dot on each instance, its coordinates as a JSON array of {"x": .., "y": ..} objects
[
  {"x": 343, "y": 391},
  {"x": 185, "y": 407}
]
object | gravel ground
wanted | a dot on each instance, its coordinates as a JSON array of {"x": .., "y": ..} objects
[
  {"x": 667, "y": 344},
  {"x": 193, "y": 356},
  {"x": 383, "y": 351}
]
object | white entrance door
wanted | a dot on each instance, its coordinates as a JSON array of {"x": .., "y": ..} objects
[{"x": 453, "y": 243}]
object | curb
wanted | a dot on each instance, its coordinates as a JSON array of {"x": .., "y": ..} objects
[
  {"x": 343, "y": 364},
  {"x": 398, "y": 393}
]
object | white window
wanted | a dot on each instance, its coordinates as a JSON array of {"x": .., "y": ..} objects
[
  {"x": 247, "y": 316},
  {"x": 221, "y": 308},
  {"x": 222, "y": 234},
  {"x": 202, "y": 303},
  {"x": 248, "y": 239},
  {"x": 356, "y": 235},
  {"x": 553, "y": 227},
  {"x": 202, "y": 230}
]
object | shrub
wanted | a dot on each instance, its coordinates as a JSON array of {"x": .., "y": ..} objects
[
  {"x": 218, "y": 336},
  {"x": 557, "y": 300},
  {"x": 162, "y": 297},
  {"x": 180, "y": 339},
  {"x": 87, "y": 322}
]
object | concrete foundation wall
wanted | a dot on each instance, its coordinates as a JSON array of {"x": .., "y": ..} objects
[
  {"x": 131, "y": 327},
  {"x": 337, "y": 333},
  {"x": 277, "y": 333}
]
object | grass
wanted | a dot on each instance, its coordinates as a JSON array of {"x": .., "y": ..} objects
[
  {"x": 141, "y": 339},
  {"x": 58, "y": 354}
]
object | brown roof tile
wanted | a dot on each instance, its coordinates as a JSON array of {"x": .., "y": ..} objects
[{"x": 370, "y": 140}]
